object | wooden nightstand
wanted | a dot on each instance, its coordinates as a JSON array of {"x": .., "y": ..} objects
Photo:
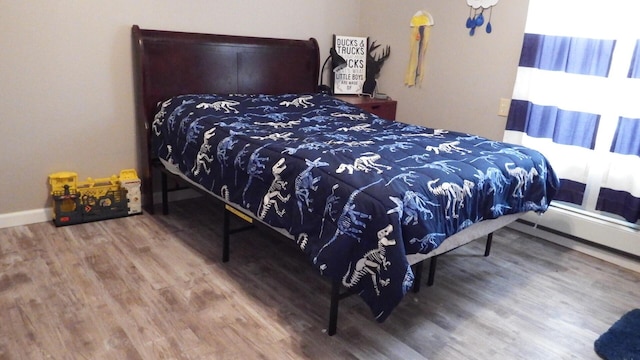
[{"x": 385, "y": 108}]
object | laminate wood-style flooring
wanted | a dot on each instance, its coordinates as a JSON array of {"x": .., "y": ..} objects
[{"x": 154, "y": 287}]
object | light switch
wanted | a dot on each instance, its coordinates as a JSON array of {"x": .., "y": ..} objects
[{"x": 503, "y": 108}]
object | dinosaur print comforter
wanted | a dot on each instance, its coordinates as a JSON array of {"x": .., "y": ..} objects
[{"x": 356, "y": 192}]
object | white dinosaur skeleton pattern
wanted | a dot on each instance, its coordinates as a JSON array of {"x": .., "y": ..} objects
[
  {"x": 448, "y": 147},
  {"x": 203, "y": 159},
  {"x": 350, "y": 143},
  {"x": 300, "y": 101},
  {"x": 522, "y": 176},
  {"x": 357, "y": 128},
  {"x": 454, "y": 194},
  {"x": 360, "y": 116},
  {"x": 224, "y": 192},
  {"x": 280, "y": 125},
  {"x": 372, "y": 262},
  {"x": 158, "y": 120},
  {"x": 365, "y": 163},
  {"x": 274, "y": 193},
  {"x": 276, "y": 136},
  {"x": 303, "y": 240},
  {"x": 226, "y": 105}
]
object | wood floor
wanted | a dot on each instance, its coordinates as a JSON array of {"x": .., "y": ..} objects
[{"x": 153, "y": 287}]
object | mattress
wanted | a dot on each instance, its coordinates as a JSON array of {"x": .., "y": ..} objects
[{"x": 357, "y": 193}]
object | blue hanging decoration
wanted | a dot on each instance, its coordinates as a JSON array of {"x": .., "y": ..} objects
[{"x": 476, "y": 15}]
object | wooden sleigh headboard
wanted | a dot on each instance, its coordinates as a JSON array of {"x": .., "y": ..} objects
[{"x": 168, "y": 63}]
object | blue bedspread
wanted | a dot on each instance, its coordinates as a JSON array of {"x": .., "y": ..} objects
[{"x": 355, "y": 191}]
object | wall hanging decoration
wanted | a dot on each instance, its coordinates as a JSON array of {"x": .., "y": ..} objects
[
  {"x": 350, "y": 79},
  {"x": 421, "y": 24},
  {"x": 477, "y": 16},
  {"x": 374, "y": 65}
]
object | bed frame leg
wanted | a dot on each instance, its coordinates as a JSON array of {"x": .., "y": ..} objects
[
  {"x": 432, "y": 270},
  {"x": 165, "y": 193},
  {"x": 225, "y": 236},
  {"x": 487, "y": 249},
  {"x": 333, "y": 310},
  {"x": 417, "y": 270}
]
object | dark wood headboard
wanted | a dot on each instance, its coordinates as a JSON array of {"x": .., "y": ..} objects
[{"x": 168, "y": 63}]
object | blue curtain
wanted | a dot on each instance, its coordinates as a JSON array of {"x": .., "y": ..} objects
[
  {"x": 574, "y": 101},
  {"x": 568, "y": 54},
  {"x": 563, "y": 126},
  {"x": 634, "y": 69}
]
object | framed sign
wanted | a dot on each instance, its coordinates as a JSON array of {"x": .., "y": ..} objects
[{"x": 350, "y": 79}]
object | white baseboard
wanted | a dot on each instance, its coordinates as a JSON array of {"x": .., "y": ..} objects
[
  {"x": 620, "y": 259},
  {"x": 594, "y": 230},
  {"x": 25, "y": 217},
  {"x": 43, "y": 215}
]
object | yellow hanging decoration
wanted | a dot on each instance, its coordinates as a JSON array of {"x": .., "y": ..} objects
[{"x": 421, "y": 24}]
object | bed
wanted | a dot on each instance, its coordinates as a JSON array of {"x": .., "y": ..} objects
[{"x": 240, "y": 119}]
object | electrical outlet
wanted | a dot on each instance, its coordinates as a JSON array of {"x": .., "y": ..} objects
[{"x": 503, "y": 108}]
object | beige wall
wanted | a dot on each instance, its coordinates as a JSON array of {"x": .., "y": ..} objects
[
  {"x": 66, "y": 100},
  {"x": 465, "y": 75}
]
